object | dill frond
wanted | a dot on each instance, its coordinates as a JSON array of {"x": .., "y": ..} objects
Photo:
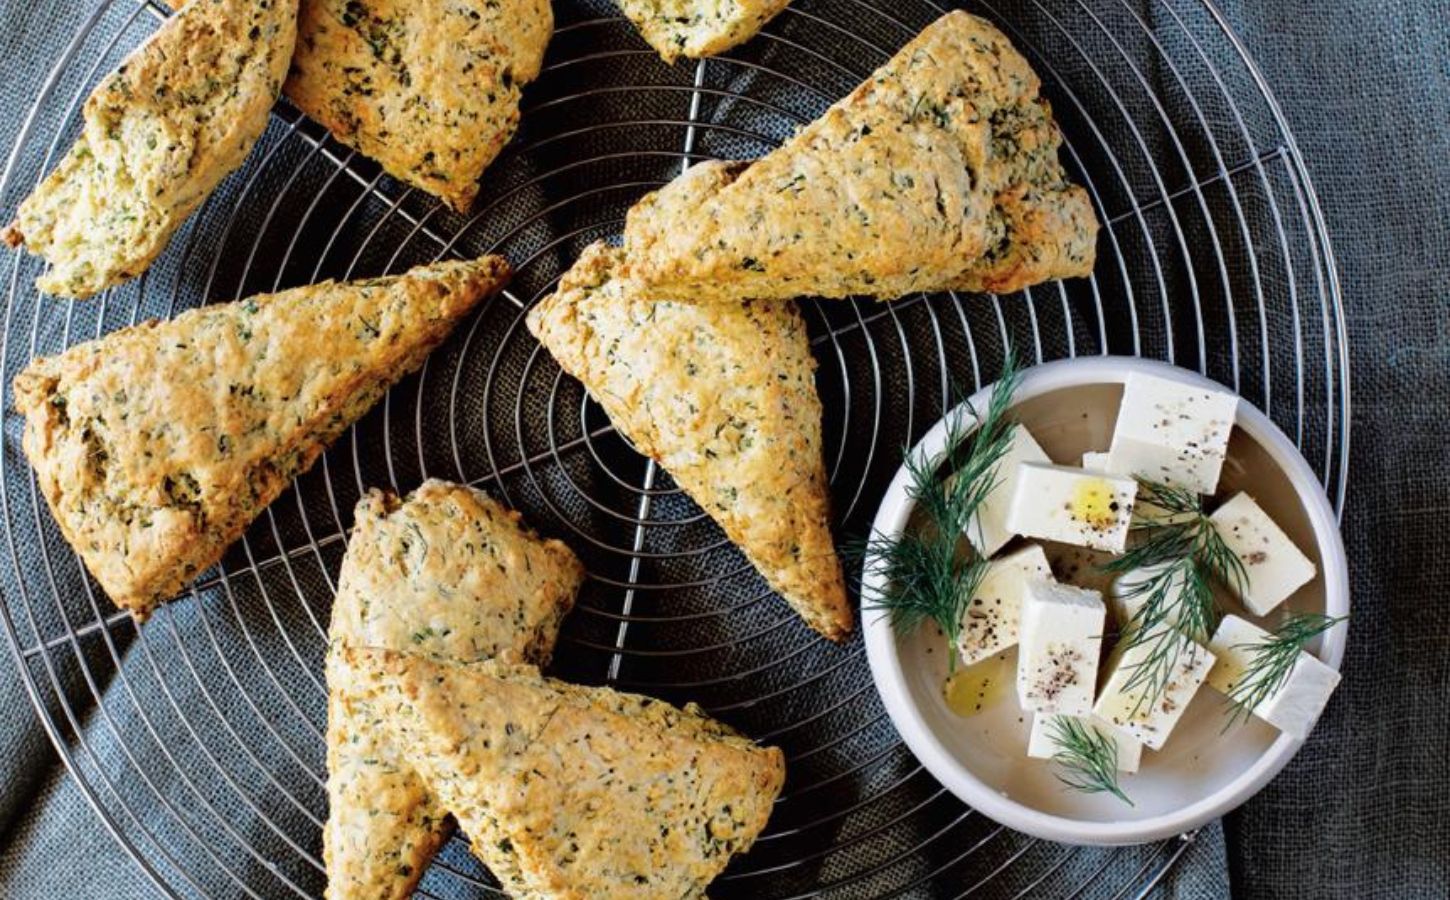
[
  {"x": 1088, "y": 757},
  {"x": 1273, "y": 660},
  {"x": 929, "y": 575},
  {"x": 1187, "y": 555}
]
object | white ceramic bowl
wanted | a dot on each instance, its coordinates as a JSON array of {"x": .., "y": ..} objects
[{"x": 1204, "y": 771}]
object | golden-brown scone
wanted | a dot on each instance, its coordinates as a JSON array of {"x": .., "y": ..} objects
[
  {"x": 696, "y": 28},
  {"x": 938, "y": 171},
  {"x": 724, "y": 397},
  {"x": 572, "y": 792},
  {"x": 452, "y": 575},
  {"x": 159, "y": 134},
  {"x": 157, "y": 445},
  {"x": 428, "y": 89}
]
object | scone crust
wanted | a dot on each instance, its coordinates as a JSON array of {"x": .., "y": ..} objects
[
  {"x": 723, "y": 396},
  {"x": 696, "y": 28},
  {"x": 938, "y": 171},
  {"x": 575, "y": 792},
  {"x": 453, "y": 575},
  {"x": 155, "y": 446},
  {"x": 430, "y": 90},
  {"x": 159, "y": 134}
]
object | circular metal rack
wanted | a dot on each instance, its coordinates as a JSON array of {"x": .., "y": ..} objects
[{"x": 198, "y": 737}]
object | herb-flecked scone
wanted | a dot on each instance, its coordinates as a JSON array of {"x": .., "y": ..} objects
[
  {"x": 430, "y": 90},
  {"x": 696, "y": 28},
  {"x": 452, "y": 575},
  {"x": 569, "y": 792},
  {"x": 939, "y": 171},
  {"x": 723, "y": 396},
  {"x": 160, "y": 132},
  {"x": 155, "y": 446}
]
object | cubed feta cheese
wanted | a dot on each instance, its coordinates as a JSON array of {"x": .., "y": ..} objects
[
  {"x": 1142, "y": 710},
  {"x": 1041, "y": 745},
  {"x": 1060, "y": 640},
  {"x": 1172, "y": 433},
  {"x": 989, "y": 624},
  {"x": 1130, "y": 592},
  {"x": 1274, "y": 566},
  {"x": 1061, "y": 503},
  {"x": 1296, "y": 705},
  {"x": 1143, "y": 511},
  {"x": 988, "y": 530}
]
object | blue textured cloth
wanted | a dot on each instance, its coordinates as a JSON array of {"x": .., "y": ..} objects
[{"x": 1364, "y": 810}]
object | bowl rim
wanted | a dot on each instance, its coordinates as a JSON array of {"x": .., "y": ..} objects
[{"x": 890, "y": 679}]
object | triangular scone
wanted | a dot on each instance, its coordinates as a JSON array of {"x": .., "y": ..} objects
[
  {"x": 156, "y": 445},
  {"x": 724, "y": 397},
  {"x": 452, "y": 575},
  {"x": 573, "y": 792},
  {"x": 696, "y": 28},
  {"x": 430, "y": 90},
  {"x": 940, "y": 170},
  {"x": 160, "y": 133}
]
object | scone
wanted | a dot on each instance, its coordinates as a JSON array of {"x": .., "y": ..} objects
[
  {"x": 723, "y": 396},
  {"x": 159, "y": 134},
  {"x": 939, "y": 171},
  {"x": 696, "y": 28},
  {"x": 155, "y": 446},
  {"x": 452, "y": 575},
  {"x": 571, "y": 792},
  {"x": 430, "y": 90}
]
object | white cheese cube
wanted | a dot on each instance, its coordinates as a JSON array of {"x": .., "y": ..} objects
[
  {"x": 1142, "y": 710},
  {"x": 1060, "y": 640},
  {"x": 1130, "y": 591},
  {"x": 1041, "y": 745},
  {"x": 1061, "y": 503},
  {"x": 988, "y": 530},
  {"x": 1296, "y": 705},
  {"x": 989, "y": 624},
  {"x": 1172, "y": 433},
  {"x": 1143, "y": 511},
  {"x": 1274, "y": 566}
]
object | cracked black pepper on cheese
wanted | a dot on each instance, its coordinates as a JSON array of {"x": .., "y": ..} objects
[
  {"x": 179, "y": 114},
  {"x": 569, "y": 792},
  {"x": 155, "y": 446},
  {"x": 723, "y": 396},
  {"x": 696, "y": 28},
  {"x": 939, "y": 172},
  {"x": 452, "y": 575}
]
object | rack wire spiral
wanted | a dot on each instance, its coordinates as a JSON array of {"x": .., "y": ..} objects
[{"x": 198, "y": 737}]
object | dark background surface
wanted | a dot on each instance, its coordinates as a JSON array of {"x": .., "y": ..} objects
[{"x": 1364, "y": 810}]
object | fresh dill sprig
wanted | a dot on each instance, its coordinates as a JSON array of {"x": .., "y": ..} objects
[
  {"x": 1272, "y": 661},
  {"x": 928, "y": 576},
  {"x": 1088, "y": 757},
  {"x": 1180, "y": 556}
]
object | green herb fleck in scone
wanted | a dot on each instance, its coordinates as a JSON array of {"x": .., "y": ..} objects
[
  {"x": 452, "y": 575},
  {"x": 696, "y": 28},
  {"x": 723, "y": 396},
  {"x": 155, "y": 446},
  {"x": 940, "y": 171},
  {"x": 160, "y": 133},
  {"x": 574, "y": 792}
]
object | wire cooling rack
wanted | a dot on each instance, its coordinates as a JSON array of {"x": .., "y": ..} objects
[{"x": 198, "y": 737}]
